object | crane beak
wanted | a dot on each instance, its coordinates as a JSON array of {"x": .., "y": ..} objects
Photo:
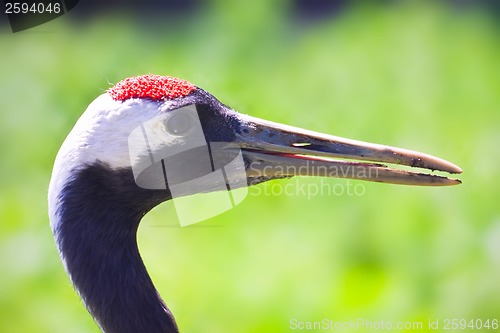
[{"x": 273, "y": 150}]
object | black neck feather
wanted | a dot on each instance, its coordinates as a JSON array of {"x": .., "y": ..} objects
[{"x": 99, "y": 213}]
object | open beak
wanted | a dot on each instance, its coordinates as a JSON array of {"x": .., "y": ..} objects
[{"x": 274, "y": 150}]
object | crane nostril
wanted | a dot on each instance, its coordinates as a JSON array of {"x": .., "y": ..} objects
[{"x": 301, "y": 144}]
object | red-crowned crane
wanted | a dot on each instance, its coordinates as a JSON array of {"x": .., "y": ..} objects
[{"x": 96, "y": 202}]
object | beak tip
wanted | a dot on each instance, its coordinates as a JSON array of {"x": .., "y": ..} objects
[
  {"x": 449, "y": 181},
  {"x": 443, "y": 165},
  {"x": 459, "y": 170},
  {"x": 454, "y": 169}
]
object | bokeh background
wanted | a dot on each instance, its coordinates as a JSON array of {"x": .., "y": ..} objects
[{"x": 416, "y": 74}]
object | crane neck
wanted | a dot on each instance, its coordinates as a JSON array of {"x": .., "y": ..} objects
[{"x": 98, "y": 213}]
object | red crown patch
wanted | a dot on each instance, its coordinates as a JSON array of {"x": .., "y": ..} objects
[{"x": 151, "y": 86}]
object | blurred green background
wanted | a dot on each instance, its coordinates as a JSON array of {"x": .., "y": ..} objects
[{"x": 418, "y": 75}]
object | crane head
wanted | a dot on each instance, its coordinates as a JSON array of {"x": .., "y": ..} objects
[
  {"x": 151, "y": 138},
  {"x": 159, "y": 125}
]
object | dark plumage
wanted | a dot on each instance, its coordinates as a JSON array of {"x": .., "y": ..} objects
[{"x": 101, "y": 209}]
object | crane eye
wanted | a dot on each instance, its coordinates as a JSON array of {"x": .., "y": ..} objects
[{"x": 179, "y": 124}]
